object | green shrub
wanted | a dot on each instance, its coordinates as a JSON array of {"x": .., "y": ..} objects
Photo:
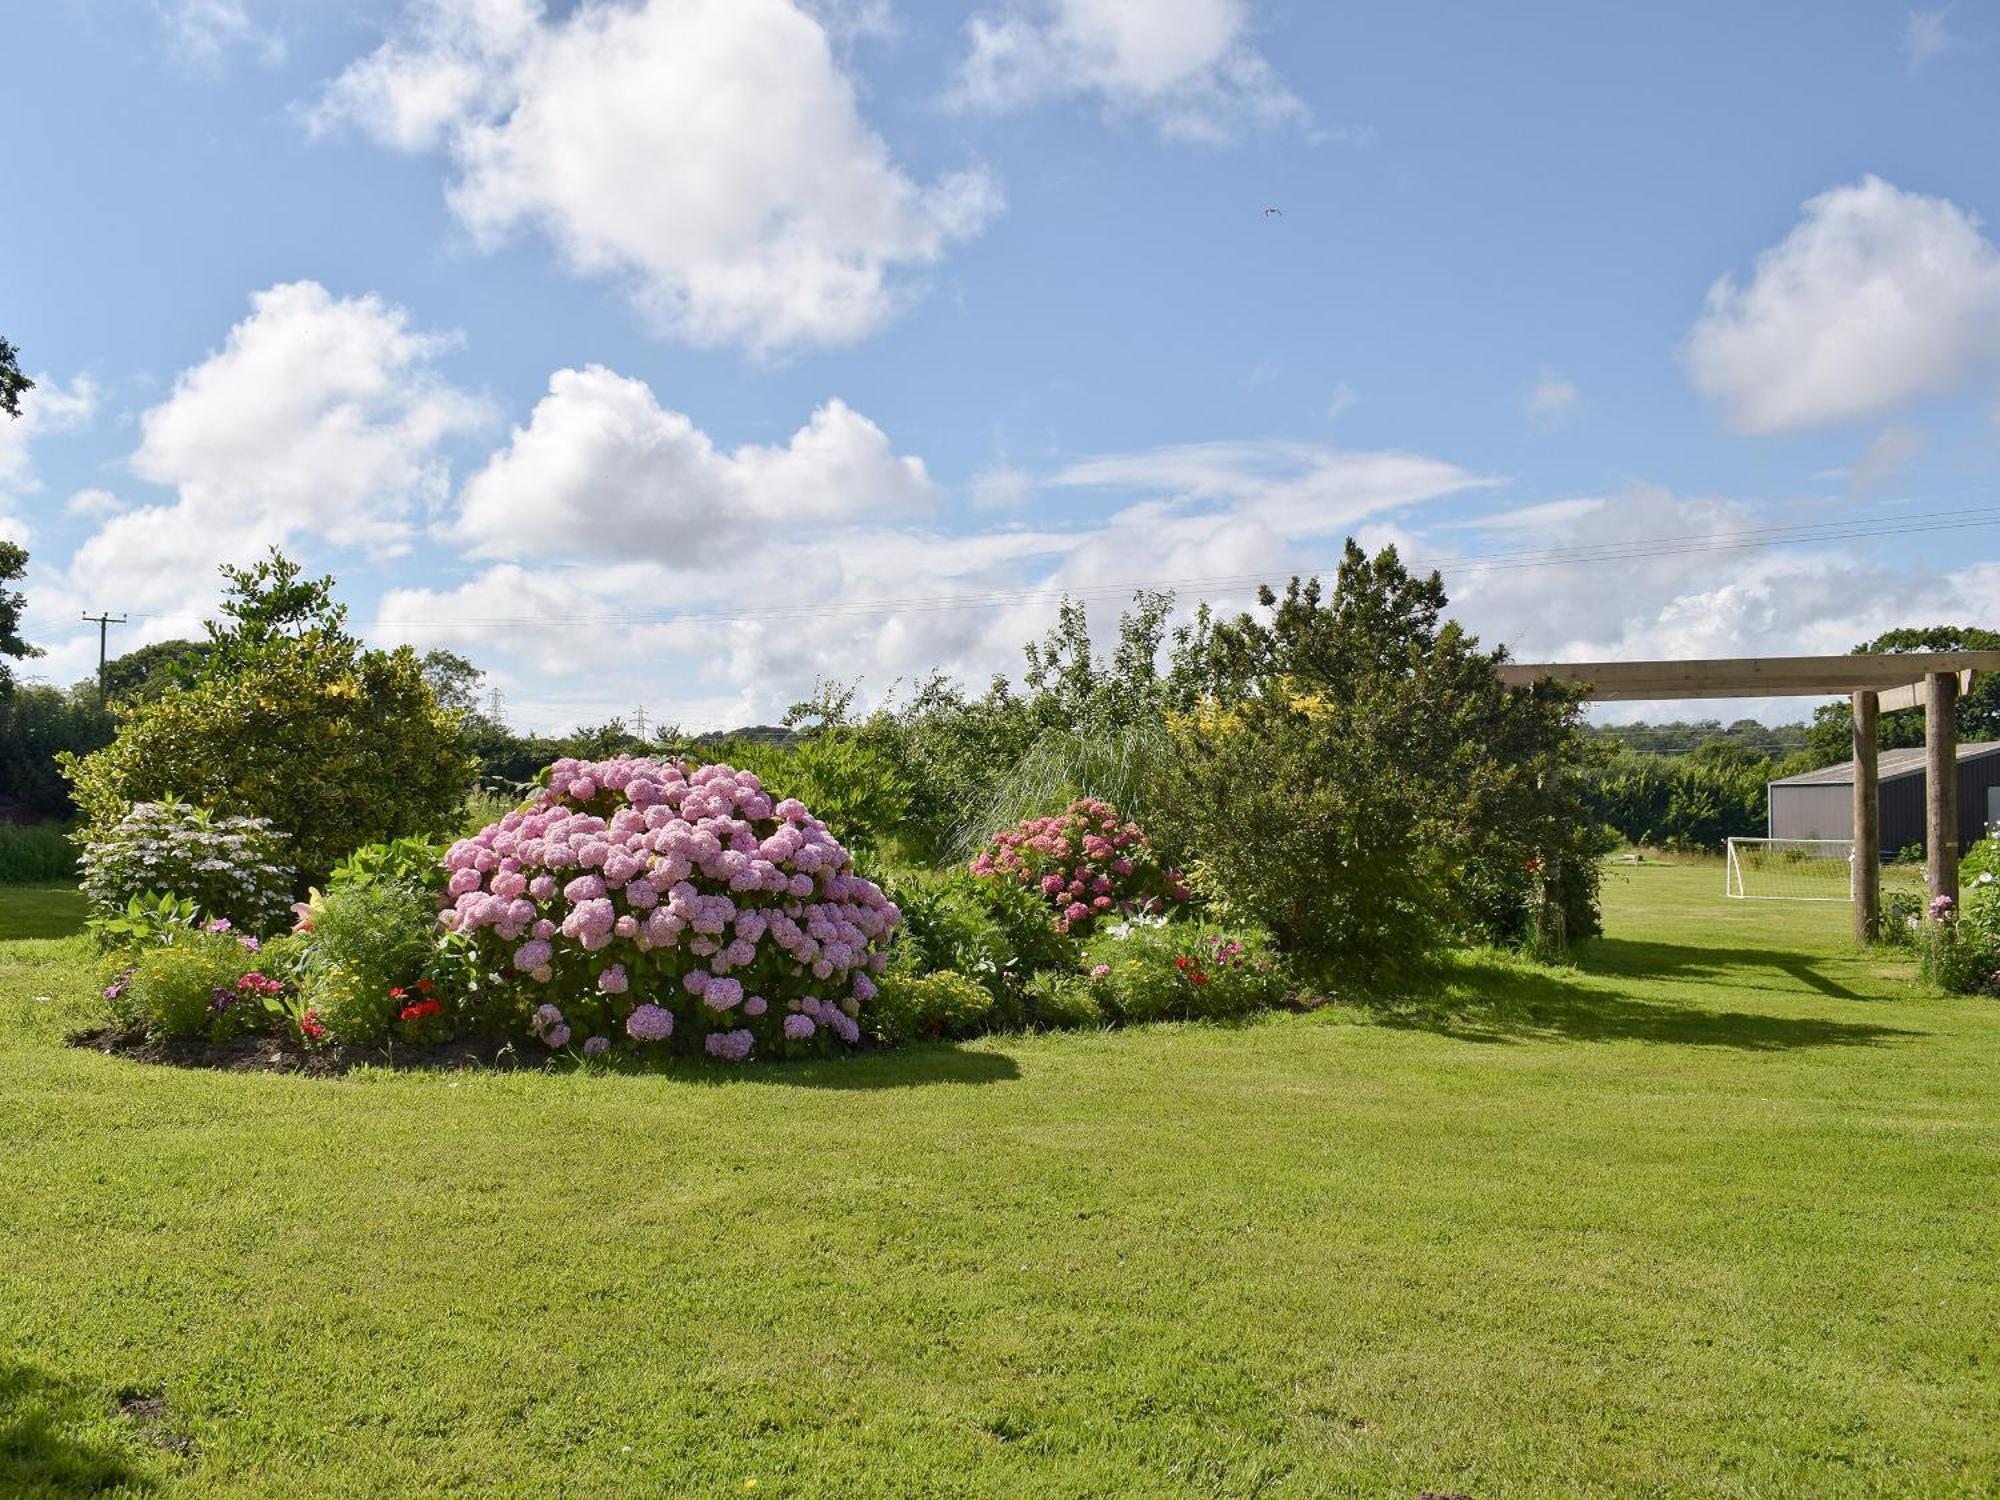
[
  {"x": 929, "y": 1007},
  {"x": 1357, "y": 777},
  {"x": 995, "y": 932},
  {"x": 36, "y": 854},
  {"x": 858, "y": 792},
  {"x": 194, "y": 989},
  {"x": 1983, "y": 858},
  {"x": 367, "y": 958},
  {"x": 235, "y": 869},
  {"x": 1064, "y": 1002},
  {"x": 1960, "y": 950},
  {"x": 414, "y": 864},
  {"x": 291, "y": 720},
  {"x": 1184, "y": 971}
]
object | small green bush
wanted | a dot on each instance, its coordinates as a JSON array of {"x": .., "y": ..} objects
[
  {"x": 369, "y": 952},
  {"x": 1184, "y": 971},
  {"x": 995, "y": 932},
  {"x": 193, "y": 989},
  {"x": 929, "y": 1007},
  {"x": 1064, "y": 1002}
]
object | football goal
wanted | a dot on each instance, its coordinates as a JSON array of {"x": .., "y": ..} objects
[{"x": 1791, "y": 869}]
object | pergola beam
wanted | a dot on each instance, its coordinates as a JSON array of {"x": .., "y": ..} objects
[{"x": 1755, "y": 677}]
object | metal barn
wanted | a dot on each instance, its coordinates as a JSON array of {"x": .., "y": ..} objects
[{"x": 1820, "y": 804}]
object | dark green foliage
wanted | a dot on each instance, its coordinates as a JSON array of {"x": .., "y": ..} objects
[
  {"x": 1832, "y": 734},
  {"x": 13, "y": 565},
  {"x": 1692, "y": 801},
  {"x": 412, "y": 864},
  {"x": 861, "y": 795},
  {"x": 38, "y": 724},
  {"x": 1359, "y": 779},
  {"x": 929, "y": 1007},
  {"x": 1680, "y": 736},
  {"x": 150, "y": 670},
  {"x": 13, "y": 384}
]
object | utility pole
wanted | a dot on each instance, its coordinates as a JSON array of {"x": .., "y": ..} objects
[
  {"x": 103, "y": 623},
  {"x": 640, "y": 720},
  {"x": 493, "y": 707}
]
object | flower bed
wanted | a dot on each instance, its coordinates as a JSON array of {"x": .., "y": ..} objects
[{"x": 646, "y": 905}]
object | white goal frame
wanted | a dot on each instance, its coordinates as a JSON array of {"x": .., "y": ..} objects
[{"x": 1733, "y": 875}]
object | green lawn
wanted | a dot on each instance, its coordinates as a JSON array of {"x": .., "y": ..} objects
[{"x": 1711, "y": 1214}]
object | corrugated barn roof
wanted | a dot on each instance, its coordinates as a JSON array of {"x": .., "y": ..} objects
[{"x": 1890, "y": 765}]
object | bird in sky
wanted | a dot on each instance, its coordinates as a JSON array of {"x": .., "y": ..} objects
[{"x": 1274, "y": 213}]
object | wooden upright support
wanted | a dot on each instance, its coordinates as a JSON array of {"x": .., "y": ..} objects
[
  {"x": 1867, "y": 822},
  {"x": 1941, "y": 785}
]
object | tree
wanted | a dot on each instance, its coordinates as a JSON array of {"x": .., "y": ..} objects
[
  {"x": 13, "y": 384},
  {"x": 1359, "y": 778},
  {"x": 13, "y": 565},
  {"x": 1831, "y": 738},
  {"x": 289, "y": 718},
  {"x": 148, "y": 671}
]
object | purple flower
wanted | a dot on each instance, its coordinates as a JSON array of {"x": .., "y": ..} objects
[
  {"x": 597, "y": 1046},
  {"x": 557, "y": 1036},
  {"x": 613, "y": 981},
  {"x": 798, "y": 1028},
  {"x": 649, "y": 1023},
  {"x": 730, "y": 1046}
]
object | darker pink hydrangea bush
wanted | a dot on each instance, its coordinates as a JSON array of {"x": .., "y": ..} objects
[
  {"x": 644, "y": 904},
  {"x": 1085, "y": 863}
]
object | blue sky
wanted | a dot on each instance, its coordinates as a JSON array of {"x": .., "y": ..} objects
[{"x": 642, "y": 351}]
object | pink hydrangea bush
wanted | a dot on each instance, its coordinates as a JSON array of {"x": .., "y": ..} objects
[
  {"x": 1086, "y": 863},
  {"x": 651, "y": 905}
]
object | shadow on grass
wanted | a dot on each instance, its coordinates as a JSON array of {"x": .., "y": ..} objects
[
  {"x": 906, "y": 1068},
  {"x": 1705, "y": 965},
  {"x": 39, "y": 1455},
  {"x": 1498, "y": 1001}
]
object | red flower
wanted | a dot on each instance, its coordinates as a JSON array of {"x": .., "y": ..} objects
[
  {"x": 310, "y": 1026},
  {"x": 421, "y": 1009},
  {"x": 1198, "y": 977},
  {"x": 399, "y": 994},
  {"x": 424, "y": 985},
  {"x": 1183, "y": 963},
  {"x": 1533, "y": 864}
]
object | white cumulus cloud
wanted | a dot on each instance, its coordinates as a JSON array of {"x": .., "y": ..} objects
[
  {"x": 602, "y": 470},
  {"x": 1186, "y": 64},
  {"x": 1877, "y": 296},
  {"x": 708, "y": 156}
]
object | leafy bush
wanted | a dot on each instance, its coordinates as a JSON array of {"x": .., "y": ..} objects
[
  {"x": 858, "y": 792},
  {"x": 1180, "y": 971},
  {"x": 1085, "y": 863},
  {"x": 928, "y": 1007},
  {"x": 1064, "y": 1002},
  {"x": 204, "y": 986},
  {"x": 647, "y": 901},
  {"x": 143, "y": 922},
  {"x": 1983, "y": 858},
  {"x": 1357, "y": 777},
  {"x": 1959, "y": 947},
  {"x": 290, "y": 720},
  {"x": 236, "y": 869},
  {"x": 35, "y": 854},
  {"x": 415, "y": 864},
  {"x": 994, "y": 931},
  {"x": 368, "y": 957}
]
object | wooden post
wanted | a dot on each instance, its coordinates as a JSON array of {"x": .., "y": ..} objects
[
  {"x": 1867, "y": 822},
  {"x": 1941, "y": 785}
]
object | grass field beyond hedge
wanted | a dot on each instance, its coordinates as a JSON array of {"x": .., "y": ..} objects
[{"x": 1711, "y": 1214}]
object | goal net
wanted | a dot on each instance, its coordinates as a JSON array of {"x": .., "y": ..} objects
[{"x": 1791, "y": 869}]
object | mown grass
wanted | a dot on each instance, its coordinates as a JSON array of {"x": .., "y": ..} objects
[{"x": 1709, "y": 1214}]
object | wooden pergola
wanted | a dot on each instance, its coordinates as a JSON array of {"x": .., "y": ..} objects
[{"x": 1879, "y": 683}]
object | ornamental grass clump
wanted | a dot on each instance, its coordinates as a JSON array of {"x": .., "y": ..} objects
[
  {"x": 648, "y": 905},
  {"x": 1086, "y": 863}
]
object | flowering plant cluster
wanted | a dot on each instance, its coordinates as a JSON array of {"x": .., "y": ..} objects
[
  {"x": 1085, "y": 863},
  {"x": 235, "y": 870},
  {"x": 646, "y": 903},
  {"x": 1960, "y": 946}
]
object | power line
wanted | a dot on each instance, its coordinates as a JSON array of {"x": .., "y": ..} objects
[{"x": 1642, "y": 549}]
